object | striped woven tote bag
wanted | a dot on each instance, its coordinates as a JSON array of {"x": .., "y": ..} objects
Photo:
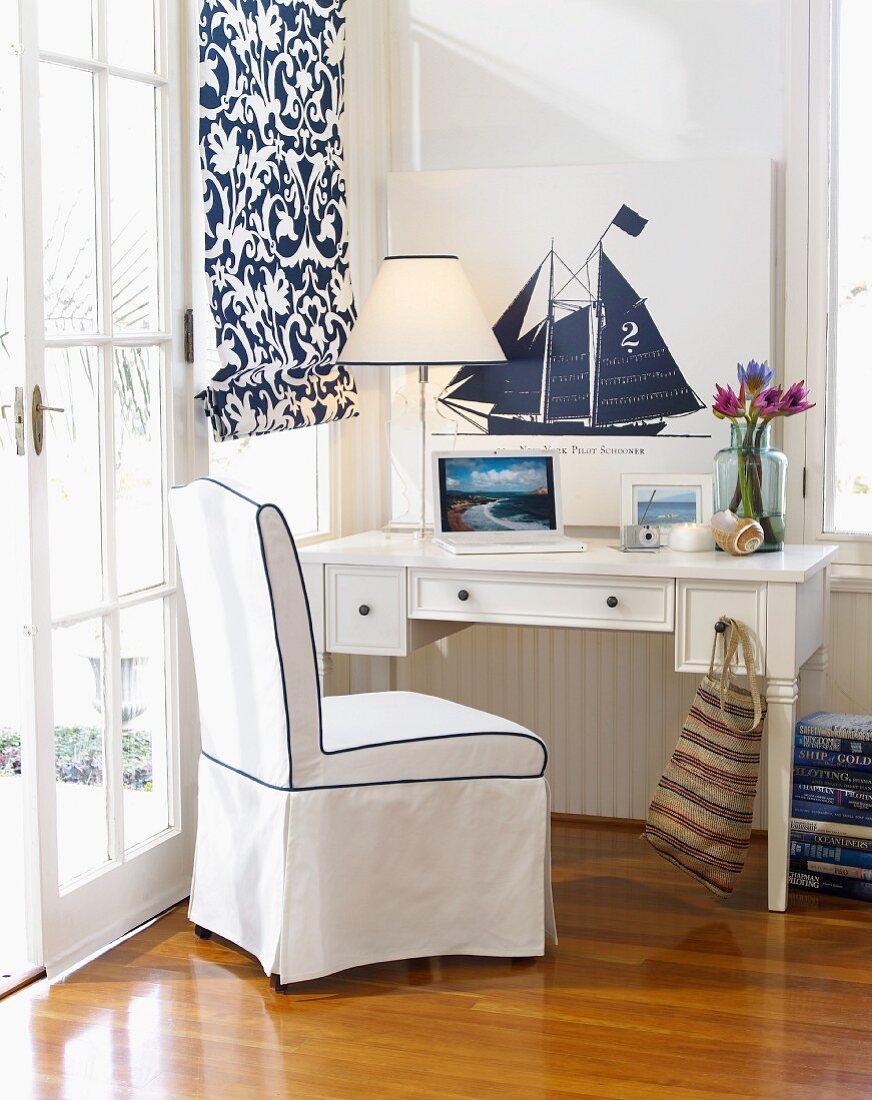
[{"x": 700, "y": 815}]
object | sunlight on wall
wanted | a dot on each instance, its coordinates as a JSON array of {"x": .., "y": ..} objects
[{"x": 490, "y": 84}]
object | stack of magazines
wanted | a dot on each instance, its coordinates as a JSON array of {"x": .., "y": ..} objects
[{"x": 831, "y": 822}]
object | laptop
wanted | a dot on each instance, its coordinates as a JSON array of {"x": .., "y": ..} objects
[{"x": 506, "y": 503}]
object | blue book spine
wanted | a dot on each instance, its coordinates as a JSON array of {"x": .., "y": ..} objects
[
  {"x": 807, "y": 850},
  {"x": 839, "y": 870},
  {"x": 825, "y": 758},
  {"x": 833, "y": 796},
  {"x": 832, "y": 742},
  {"x": 831, "y": 884},
  {"x": 846, "y": 778},
  {"x": 830, "y": 724},
  {"x": 821, "y": 812},
  {"x": 805, "y": 833}
]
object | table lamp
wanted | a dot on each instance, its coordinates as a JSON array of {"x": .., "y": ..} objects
[{"x": 423, "y": 312}]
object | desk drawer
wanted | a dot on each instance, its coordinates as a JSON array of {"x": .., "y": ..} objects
[
  {"x": 366, "y": 610},
  {"x": 600, "y": 603},
  {"x": 700, "y": 604}
]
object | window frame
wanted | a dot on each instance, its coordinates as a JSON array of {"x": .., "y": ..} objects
[{"x": 810, "y": 211}]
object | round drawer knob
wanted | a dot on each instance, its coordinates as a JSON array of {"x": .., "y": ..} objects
[
  {"x": 363, "y": 609},
  {"x": 612, "y": 601},
  {"x": 463, "y": 595}
]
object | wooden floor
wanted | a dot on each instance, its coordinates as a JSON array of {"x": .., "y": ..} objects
[{"x": 657, "y": 989}]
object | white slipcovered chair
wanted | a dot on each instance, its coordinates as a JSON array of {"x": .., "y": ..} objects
[{"x": 346, "y": 830}]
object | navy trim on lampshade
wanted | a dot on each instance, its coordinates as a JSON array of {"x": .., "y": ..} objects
[
  {"x": 422, "y": 362},
  {"x": 423, "y": 256}
]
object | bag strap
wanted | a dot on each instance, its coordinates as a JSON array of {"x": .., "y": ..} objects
[{"x": 735, "y": 636}]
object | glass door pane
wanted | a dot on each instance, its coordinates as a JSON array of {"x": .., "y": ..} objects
[
  {"x": 69, "y": 199},
  {"x": 131, "y": 34},
  {"x": 72, "y": 451},
  {"x": 144, "y": 722},
  {"x": 139, "y": 493},
  {"x": 134, "y": 211},
  {"x": 80, "y": 695},
  {"x": 66, "y": 26}
]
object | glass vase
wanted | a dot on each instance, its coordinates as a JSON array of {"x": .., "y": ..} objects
[{"x": 751, "y": 480}]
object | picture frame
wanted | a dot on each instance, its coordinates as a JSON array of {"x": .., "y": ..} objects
[
  {"x": 720, "y": 234},
  {"x": 677, "y": 498}
]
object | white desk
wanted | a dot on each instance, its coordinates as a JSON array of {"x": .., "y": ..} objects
[{"x": 386, "y": 595}]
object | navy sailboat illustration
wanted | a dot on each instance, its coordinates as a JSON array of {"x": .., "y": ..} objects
[{"x": 595, "y": 364}]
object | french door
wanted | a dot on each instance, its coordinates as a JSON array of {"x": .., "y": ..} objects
[{"x": 102, "y": 395}]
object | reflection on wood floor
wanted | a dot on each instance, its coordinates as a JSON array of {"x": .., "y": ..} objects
[{"x": 657, "y": 989}]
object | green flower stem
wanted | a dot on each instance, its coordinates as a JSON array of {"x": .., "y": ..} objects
[{"x": 744, "y": 486}]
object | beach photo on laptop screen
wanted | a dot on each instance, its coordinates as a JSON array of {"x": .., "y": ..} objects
[{"x": 497, "y": 494}]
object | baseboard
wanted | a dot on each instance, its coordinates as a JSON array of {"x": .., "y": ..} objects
[{"x": 623, "y": 823}]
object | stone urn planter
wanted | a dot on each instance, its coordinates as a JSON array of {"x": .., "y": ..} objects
[{"x": 133, "y": 699}]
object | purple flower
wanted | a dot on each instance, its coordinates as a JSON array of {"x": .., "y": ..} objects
[
  {"x": 796, "y": 400},
  {"x": 727, "y": 403},
  {"x": 755, "y": 376},
  {"x": 768, "y": 403}
]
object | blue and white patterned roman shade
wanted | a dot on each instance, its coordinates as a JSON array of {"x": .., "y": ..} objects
[{"x": 271, "y": 103}]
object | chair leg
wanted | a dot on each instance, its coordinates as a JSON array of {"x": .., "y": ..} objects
[
  {"x": 275, "y": 984},
  {"x": 202, "y": 933}
]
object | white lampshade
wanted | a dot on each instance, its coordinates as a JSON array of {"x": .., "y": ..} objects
[{"x": 421, "y": 310}]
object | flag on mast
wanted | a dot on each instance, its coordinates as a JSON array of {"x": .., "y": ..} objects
[{"x": 628, "y": 220}]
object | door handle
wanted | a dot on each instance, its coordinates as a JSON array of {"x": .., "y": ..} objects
[{"x": 37, "y": 424}]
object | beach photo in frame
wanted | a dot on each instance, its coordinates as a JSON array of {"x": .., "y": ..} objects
[
  {"x": 664, "y": 500},
  {"x": 619, "y": 295}
]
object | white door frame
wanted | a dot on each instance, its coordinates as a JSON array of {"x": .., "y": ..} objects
[{"x": 65, "y": 925}]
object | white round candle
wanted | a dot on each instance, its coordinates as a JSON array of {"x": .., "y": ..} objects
[{"x": 691, "y": 538}]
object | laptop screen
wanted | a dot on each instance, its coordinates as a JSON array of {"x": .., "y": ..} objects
[{"x": 498, "y": 493}]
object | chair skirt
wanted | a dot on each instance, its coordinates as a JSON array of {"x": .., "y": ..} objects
[{"x": 313, "y": 882}]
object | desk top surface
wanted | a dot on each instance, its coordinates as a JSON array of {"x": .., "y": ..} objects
[{"x": 793, "y": 565}]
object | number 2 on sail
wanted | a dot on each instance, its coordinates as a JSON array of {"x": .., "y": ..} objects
[{"x": 631, "y": 329}]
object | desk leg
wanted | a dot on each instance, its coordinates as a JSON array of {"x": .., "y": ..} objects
[
  {"x": 325, "y": 667},
  {"x": 782, "y": 696}
]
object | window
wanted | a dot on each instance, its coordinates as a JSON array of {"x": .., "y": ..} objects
[
  {"x": 847, "y": 486},
  {"x": 290, "y": 469}
]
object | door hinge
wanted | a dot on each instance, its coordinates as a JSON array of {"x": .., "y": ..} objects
[
  {"x": 189, "y": 336},
  {"x": 804, "y": 480}
]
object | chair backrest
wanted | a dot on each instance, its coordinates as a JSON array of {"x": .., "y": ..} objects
[{"x": 254, "y": 654}]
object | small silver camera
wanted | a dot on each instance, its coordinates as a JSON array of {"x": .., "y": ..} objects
[{"x": 641, "y": 536}]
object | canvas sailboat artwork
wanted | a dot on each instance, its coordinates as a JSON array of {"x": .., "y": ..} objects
[{"x": 595, "y": 364}]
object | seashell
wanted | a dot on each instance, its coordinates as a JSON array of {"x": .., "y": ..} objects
[{"x": 736, "y": 536}]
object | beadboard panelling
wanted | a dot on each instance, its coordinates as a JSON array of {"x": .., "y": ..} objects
[
  {"x": 608, "y": 704},
  {"x": 850, "y": 679}
]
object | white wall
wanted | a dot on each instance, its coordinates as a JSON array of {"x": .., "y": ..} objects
[{"x": 489, "y": 83}]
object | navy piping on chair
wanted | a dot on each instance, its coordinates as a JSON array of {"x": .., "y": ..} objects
[
  {"x": 272, "y": 603},
  {"x": 354, "y": 748},
  {"x": 374, "y": 782}
]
